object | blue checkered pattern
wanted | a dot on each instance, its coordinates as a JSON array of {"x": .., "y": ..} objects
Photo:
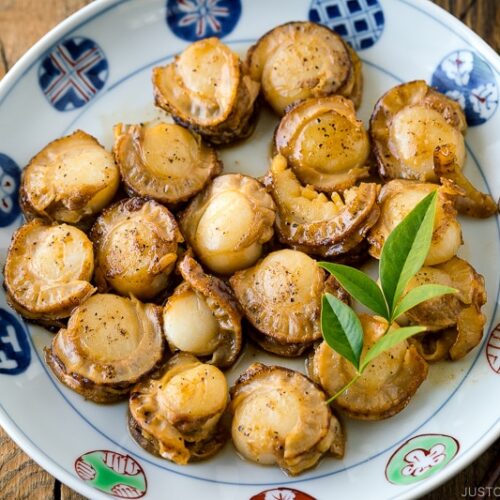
[{"x": 359, "y": 22}]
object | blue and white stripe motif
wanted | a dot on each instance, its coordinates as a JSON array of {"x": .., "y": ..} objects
[{"x": 72, "y": 73}]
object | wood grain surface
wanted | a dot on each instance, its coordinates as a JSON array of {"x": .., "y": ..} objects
[{"x": 22, "y": 23}]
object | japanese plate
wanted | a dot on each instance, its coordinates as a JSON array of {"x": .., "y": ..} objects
[{"x": 92, "y": 71}]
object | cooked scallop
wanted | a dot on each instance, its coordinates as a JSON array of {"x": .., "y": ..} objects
[
  {"x": 385, "y": 387},
  {"x": 202, "y": 317},
  {"x": 398, "y": 198},
  {"x": 407, "y": 125},
  {"x": 69, "y": 180},
  {"x": 281, "y": 417},
  {"x": 176, "y": 413},
  {"x": 109, "y": 344},
  {"x": 299, "y": 60},
  {"x": 229, "y": 222},
  {"x": 456, "y": 318},
  {"x": 136, "y": 247},
  {"x": 470, "y": 201},
  {"x": 163, "y": 161},
  {"x": 206, "y": 89},
  {"x": 281, "y": 298},
  {"x": 324, "y": 143},
  {"x": 311, "y": 222},
  {"x": 48, "y": 271}
]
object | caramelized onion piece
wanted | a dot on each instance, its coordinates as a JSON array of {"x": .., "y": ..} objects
[
  {"x": 109, "y": 344},
  {"x": 136, "y": 247},
  {"x": 398, "y": 197},
  {"x": 205, "y": 89},
  {"x": 472, "y": 202},
  {"x": 176, "y": 413},
  {"x": 407, "y": 125},
  {"x": 281, "y": 297},
  {"x": 202, "y": 316},
  {"x": 457, "y": 317},
  {"x": 163, "y": 161},
  {"x": 69, "y": 180},
  {"x": 299, "y": 60},
  {"x": 324, "y": 143},
  {"x": 280, "y": 417},
  {"x": 309, "y": 221},
  {"x": 229, "y": 222},
  {"x": 385, "y": 387},
  {"x": 48, "y": 270}
]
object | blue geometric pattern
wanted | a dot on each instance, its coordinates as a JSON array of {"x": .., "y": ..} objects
[
  {"x": 193, "y": 20},
  {"x": 359, "y": 22},
  {"x": 15, "y": 352},
  {"x": 466, "y": 78},
  {"x": 10, "y": 177},
  {"x": 72, "y": 73}
]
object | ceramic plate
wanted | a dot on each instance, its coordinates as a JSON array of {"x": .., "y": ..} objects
[{"x": 93, "y": 71}]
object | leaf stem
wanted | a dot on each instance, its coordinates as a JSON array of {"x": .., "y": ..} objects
[{"x": 337, "y": 394}]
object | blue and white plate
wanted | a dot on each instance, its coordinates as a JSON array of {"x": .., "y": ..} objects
[{"x": 93, "y": 71}]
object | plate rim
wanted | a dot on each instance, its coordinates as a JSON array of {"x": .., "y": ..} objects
[{"x": 98, "y": 7}]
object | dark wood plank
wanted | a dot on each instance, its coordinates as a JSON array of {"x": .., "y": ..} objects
[{"x": 20, "y": 477}]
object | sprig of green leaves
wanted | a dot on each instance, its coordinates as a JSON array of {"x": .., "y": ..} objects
[{"x": 403, "y": 254}]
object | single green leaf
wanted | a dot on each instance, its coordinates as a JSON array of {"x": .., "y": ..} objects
[
  {"x": 406, "y": 248},
  {"x": 360, "y": 286},
  {"x": 341, "y": 329},
  {"x": 418, "y": 295},
  {"x": 390, "y": 339}
]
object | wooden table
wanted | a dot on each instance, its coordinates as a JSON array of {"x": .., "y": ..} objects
[{"x": 22, "y": 23}]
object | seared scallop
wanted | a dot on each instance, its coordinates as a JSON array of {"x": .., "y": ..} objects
[
  {"x": 109, "y": 344},
  {"x": 281, "y": 298},
  {"x": 299, "y": 60},
  {"x": 69, "y": 180},
  {"x": 324, "y": 143},
  {"x": 229, "y": 222},
  {"x": 309, "y": 221},
  {"x": 407, "y": 125},
  {"x": 469, "y": 201},
  {"x": 398, "y": 197},
  {"x": 385, "y": 387},
  {"x": 136, "y": 247},
  {"x": 456, "y": 318},
  {"x": 206, "y": 89},
  {"x": 202, "y": 317},
  {"x": 163, "y": 161},
  {"x": 176, "y": 413},
  {"x": 281, "y": 417},
  {"x": 48, "y": 271}
]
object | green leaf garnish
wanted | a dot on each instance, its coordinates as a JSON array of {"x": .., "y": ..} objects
[
  {"x": 406, "y": 248},
  {"x": 403, "y": 254},
  {"x": 418, "y": 295},
  {"x": 360, "y": 286},
  {"x": 341, "y": 329},
  {"x": 388, "y": 340}
]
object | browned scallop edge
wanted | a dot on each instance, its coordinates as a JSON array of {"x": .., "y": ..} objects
[
  {"x": 99, "y": 393},
  {"x": 199, "y": 451},
  {"x": 270, "y": 344},
  {"x": 251, "y": 50}
]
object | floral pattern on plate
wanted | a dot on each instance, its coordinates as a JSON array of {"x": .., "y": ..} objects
[
  {"x": 493, "y": 350},
  {"x": 15, "y": 352},
  {"x": 193, "y": 20},
  {"x": 420, "y": 457},
  {"x": 10, "y": 177},
  {"x": 116, "y": 474},
  {"x": 466, "y": 78}
]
